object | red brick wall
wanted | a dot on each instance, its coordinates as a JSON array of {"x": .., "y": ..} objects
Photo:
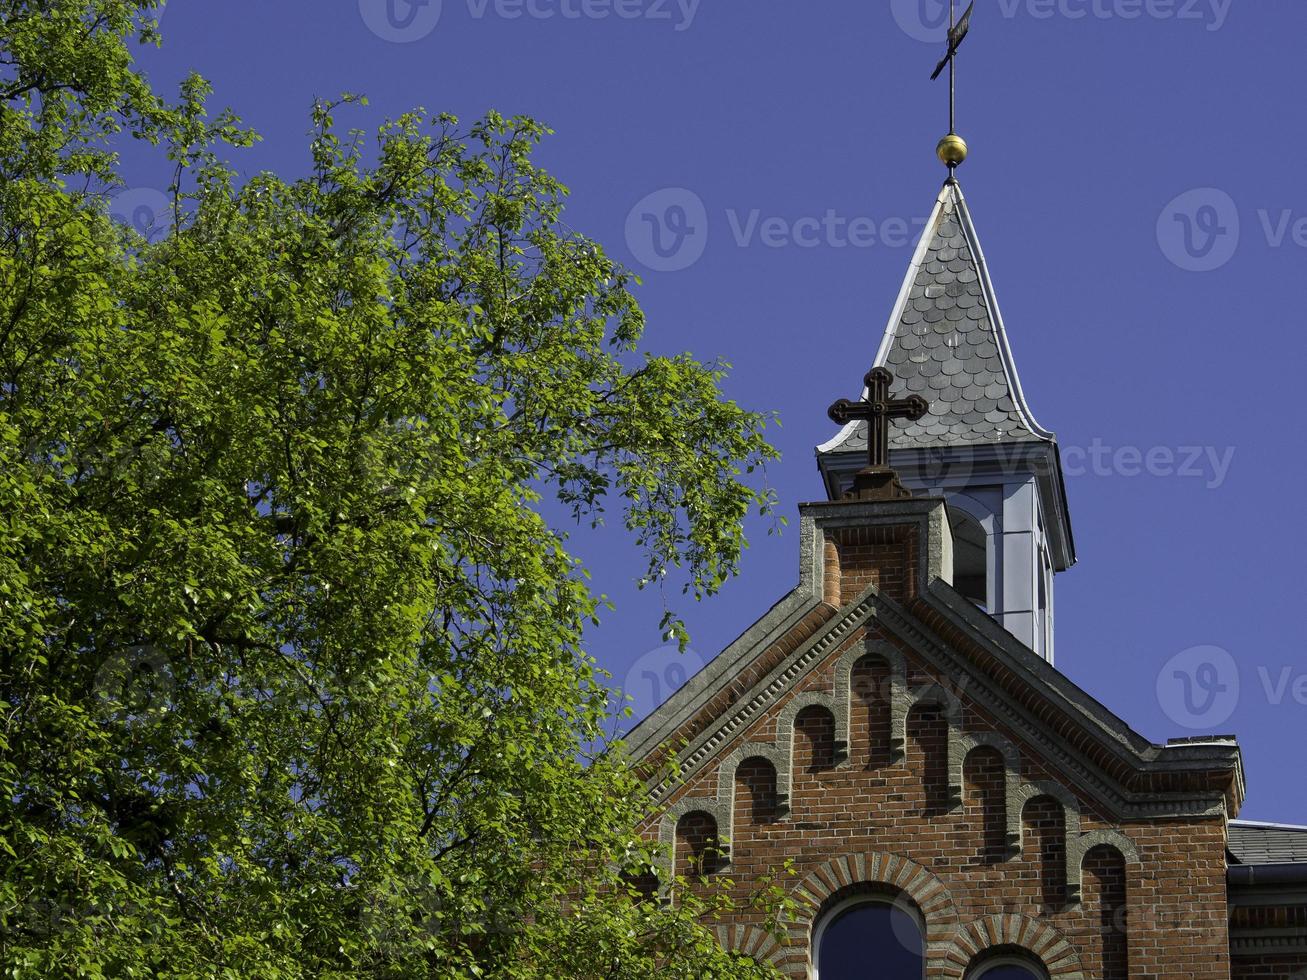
[
  {"x": 984, "y": 813},
  {"x": 870, "y": 711},
  {"x": 885, "y": 557},
  {"x": 1106, "y": 950},
  {"x": 697, "y": 845},
  {"x": 1043, "y": 836},
  {"x": 1175, "y": 898}
]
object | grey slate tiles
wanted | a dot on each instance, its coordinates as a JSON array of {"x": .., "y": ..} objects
[
  {"x": 1253, "y": 843},
  {"x": 946, "y": 347}
]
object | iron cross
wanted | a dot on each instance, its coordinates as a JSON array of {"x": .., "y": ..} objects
[{"x": 878, "y": 409}]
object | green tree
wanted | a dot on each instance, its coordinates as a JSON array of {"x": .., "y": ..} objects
[{"x": 292, "y": 675}]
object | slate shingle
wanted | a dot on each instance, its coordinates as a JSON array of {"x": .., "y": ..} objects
[
  {"x": 946, "y": 348},
  {"x": 1253, "y": 843}
]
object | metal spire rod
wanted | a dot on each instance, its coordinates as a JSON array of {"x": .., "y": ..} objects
[
  {"x": 952, "y": 70},
  {"x": 952, "y": 149}
]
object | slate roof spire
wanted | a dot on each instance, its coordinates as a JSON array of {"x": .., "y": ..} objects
[{"x": 945, "y": 341}]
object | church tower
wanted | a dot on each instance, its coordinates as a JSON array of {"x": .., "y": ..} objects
[
  {"x": 892, "y": 731},
  {"x": 978, "y": 446}
]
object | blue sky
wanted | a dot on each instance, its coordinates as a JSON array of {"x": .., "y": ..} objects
[{"x": 1134, "y": 180}]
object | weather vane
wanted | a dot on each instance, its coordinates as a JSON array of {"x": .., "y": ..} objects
[{"x": 952, "y": 149}]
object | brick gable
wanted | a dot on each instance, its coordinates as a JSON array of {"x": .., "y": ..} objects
[{"x": 852, "y": 747}]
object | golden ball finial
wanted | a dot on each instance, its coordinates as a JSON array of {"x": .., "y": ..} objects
[{"x": 952, "y": 150}]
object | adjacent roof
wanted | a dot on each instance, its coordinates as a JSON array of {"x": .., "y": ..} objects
[
  {"x": 1267, "y": 843},
  {"x": 945, "y": 341}
]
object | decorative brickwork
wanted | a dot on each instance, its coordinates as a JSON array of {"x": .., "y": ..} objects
[{"x": 866, "y": 757}]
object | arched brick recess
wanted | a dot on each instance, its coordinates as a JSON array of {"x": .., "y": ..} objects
[
  {"x": 927, "y": 756},
  {"x": 839, "y": 710},
  {"x": 668, "y": 828},
  {"x": 1044, "y": 845},
  {"x": 890, "y": 871},
  {"x": 887, "y": 704},
  {"x": 750, "y": 941},
  {"x": 755, "y": 799},
  {"x": 780, "y": 761},
  {"x": 815, "y": 746},
  {"x": 1022, "y": 795},
  {"x": 1039, "y": 939},
  {"x": 1084, "y": 843},
  {"x": 984, "y": 806},
  {"x": 699, "y": 849},
  {"x": 871, "y": 714},
  {"x": 1107, "y": 949},
  {"x": 950, "y": 706}
]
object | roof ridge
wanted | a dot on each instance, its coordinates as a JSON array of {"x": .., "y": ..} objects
[{"x": 1263, "y": 825}]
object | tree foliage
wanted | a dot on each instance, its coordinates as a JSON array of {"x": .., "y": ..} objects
[{"x": 292, "y": 673}]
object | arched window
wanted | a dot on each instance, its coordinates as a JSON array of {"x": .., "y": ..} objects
[
  {"x": 970, "y": 557},
  {"x": 1008, "y": 968},
  {"x": 862, "y": 932}
]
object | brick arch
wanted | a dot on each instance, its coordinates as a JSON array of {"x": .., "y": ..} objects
[
  {"x": 671, "y": 819},
  {"x": 1013, "y": 933},
  {"x": 809, "y": 699},
  {"x": 899, "y": 696},
  {"x": 780, "y": 762},
  {"x": 901, "y": 874},
  {"x": 937, "y": 696},
  {"x": 1079, "y": 847},
  {"x": 757, "y": 944}
]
